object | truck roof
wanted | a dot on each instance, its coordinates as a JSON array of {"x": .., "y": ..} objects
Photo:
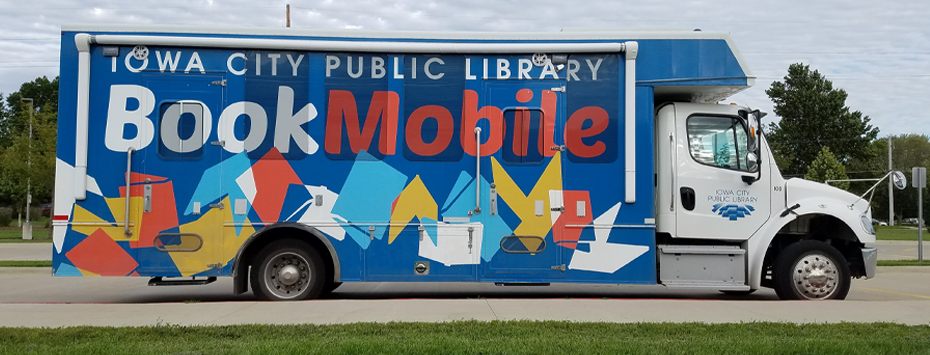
[
  {"x": 697, "y": 65},
  {"x": 567, "y": 35}
]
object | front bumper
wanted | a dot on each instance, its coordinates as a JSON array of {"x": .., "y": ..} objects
[{"x": 870, "y": 261}]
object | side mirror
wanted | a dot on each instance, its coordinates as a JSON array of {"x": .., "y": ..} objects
[
  {"x": 898, "y": 180},
  {"x": 753, "y": 162}
]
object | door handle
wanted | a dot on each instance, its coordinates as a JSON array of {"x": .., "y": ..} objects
[
  {"x": 478, "y": 170},
  {"x": 687, "y": 198}
]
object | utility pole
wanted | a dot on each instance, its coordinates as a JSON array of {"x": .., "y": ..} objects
[
  {"x": 27, "y": 227},
  {"x": 890, "y": 188},
  {"x": 288, "y": 15}
]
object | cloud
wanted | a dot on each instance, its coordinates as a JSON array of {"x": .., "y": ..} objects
[{"x": 878, "y": 53}]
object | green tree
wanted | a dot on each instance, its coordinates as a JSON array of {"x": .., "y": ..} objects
[
  {"x": 814, "y": 115},
  {"x": 908, "y": 151},
  {"x": 826, "y": 167},
  {"x": 14, "y": 115},
  {"x": 17, "y": 150}
]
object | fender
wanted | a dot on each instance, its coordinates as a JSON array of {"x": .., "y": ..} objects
[
  {"x": 758, "y": 244},
  {"x": 337, "y": 270}
]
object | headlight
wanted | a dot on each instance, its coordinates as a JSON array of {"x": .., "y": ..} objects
[{"x": 866, "y": 224}]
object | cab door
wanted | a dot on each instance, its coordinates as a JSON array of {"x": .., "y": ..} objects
[
  {"x": 523, "y": 176},
  {"x": 180, "y": 220},
  {"x": 717, "y": 194}
]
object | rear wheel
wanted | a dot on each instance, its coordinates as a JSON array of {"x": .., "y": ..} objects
[
  {"x": 811, "y": 270},
  {"x": 287, "y": 270}
]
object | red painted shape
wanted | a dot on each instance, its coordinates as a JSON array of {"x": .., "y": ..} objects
[
  {"x": 272, "y": 175},
  {"x": 574, "y": 131},
  {"x": 61, "y": 217},
  {"x": 414, "y": 134},
  {"x": 134, "y": 274},
  {"x": 343, "y": 108},
  {"x": 560, "y": 233},
  {"x": 547, "y": 131},
  {"x": 99, "y": 254},
  {"x": 164, "y": 213},
  {"x": 471, "y": 115},
  {"x": 524, "y": 95}
]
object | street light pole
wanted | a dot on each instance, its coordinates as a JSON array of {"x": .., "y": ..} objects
[{"x": 27, "y": 227}]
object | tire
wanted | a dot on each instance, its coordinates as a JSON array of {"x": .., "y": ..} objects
[
  {"x": 811, "y": 270},
  {"x": 287, "y": 270}
]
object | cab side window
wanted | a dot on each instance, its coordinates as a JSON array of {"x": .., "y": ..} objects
[{"x": 718, "y": 141}]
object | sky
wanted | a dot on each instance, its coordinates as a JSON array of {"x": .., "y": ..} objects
[{"x": 879, "y": 52}]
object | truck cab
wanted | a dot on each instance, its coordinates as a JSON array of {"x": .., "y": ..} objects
[{"x": 720, "y": 199}]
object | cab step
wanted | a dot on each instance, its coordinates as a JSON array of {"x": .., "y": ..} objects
[{"x": 160, "y": 281}]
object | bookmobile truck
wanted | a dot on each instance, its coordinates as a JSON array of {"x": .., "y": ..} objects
[{"x": 294, "y": 161}]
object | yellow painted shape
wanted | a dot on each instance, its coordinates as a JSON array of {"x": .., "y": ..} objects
[
  {"x": 525, "y": 205},
  {"x": 86, "y": 223},
  {"x": 87, "y": 273},
  {"x": 118, "y": 209},
  {"x": 220, "y": 244},
  {"x": 414, "y": 201}
]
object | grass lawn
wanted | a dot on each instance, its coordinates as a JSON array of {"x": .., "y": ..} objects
[
  {"x": 898, "y": 233},
  {"x": 472, "y": 337},
  {"x": 15, "y": 235},
  {"x": 903, "y": 263},
  {"x": 25, "y": 263}
]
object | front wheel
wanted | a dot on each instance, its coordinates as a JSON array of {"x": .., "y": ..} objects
[
  {"x": 287, "y": 270},
  {"x": 811, "y": 270}
]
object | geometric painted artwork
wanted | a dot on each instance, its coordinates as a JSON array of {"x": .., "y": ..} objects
[{"x": 99, "y": 255}]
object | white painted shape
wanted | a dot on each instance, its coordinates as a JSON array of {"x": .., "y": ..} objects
[
  {"x": 605, "y": 257},
  {"x": 555, "y": 200},
  {"x": 539, "y": 208},
  {"x": 246, "y": 183},
  {"x": 196, "y": 208},
  {"x": 452, "y": 244},
  {"x": 64, "y": 201},
  {"x": 321, "y": 217},
  {"x": 242, "y": 206},
  {"x": 92, "y": 186}
]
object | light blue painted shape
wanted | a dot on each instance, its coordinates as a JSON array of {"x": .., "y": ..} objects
[
  {"x": 366, "y": 197},
  {"x": 209, "y": 190},
  {"x": 430, "y": 226},
  {"x": 495, "y": 228},
  {"x": 65, "y": 269},
  {"x": 460, "y": 184}
]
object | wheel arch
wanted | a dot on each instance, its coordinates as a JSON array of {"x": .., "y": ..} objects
[
  {"x": 278, "y": 231},
  {"x": 815, "y": 225}
]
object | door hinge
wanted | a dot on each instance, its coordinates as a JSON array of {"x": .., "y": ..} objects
[
  {"x": 558, "y": 89},
  {"x": 215, "y": 266},
  {"x": 559, "y": 267},
  {"x": 217, "y": 205},
  {"x": 219, "y": 82}
]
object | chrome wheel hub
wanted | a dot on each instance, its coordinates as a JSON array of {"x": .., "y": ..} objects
[
  {"x": 287, "y": 275},
  {"x": 815, "y": 276}
]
